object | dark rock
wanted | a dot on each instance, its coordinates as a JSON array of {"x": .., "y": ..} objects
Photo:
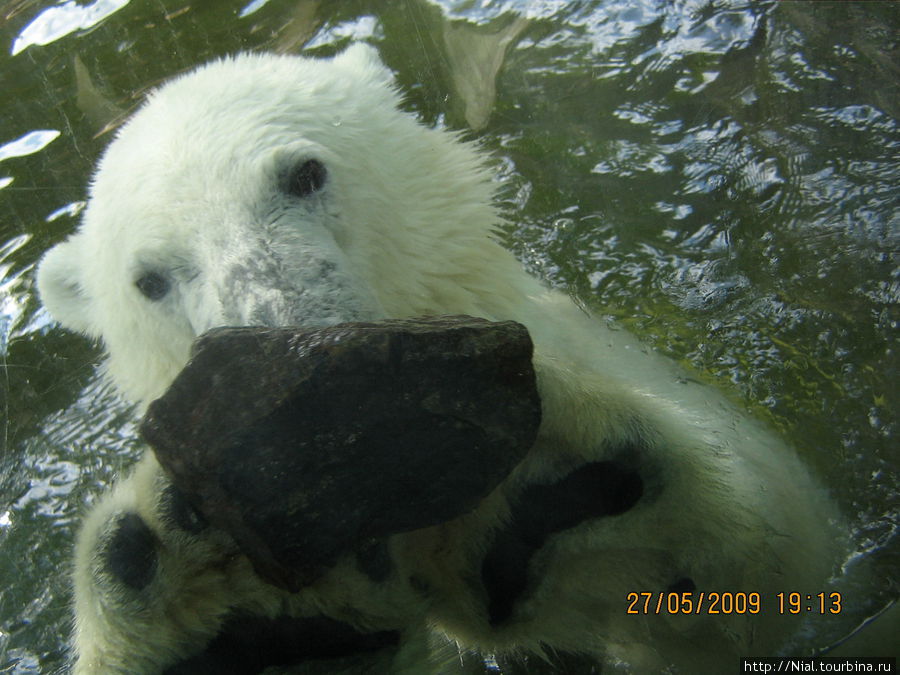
[
  {"x": 247, "y": 645},
  {"x": 308, "y": 444}
]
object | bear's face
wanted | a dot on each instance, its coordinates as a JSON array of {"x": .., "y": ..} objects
[{"x": 250, "y": 201}]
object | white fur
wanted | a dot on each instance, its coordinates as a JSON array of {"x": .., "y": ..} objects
[{"x": 403, "y": 227}]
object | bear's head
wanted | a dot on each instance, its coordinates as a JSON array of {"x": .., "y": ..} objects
[{"x": 271, "y": 190}]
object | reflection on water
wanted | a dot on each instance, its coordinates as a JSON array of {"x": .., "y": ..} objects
[
  {"x": 60, "y": 20},
  {"x": 721, "y": 178}
]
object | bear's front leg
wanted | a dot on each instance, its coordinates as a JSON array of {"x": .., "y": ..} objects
[
  {"x": 631, "y": 495},
  {"x": 160, "y": 590}
]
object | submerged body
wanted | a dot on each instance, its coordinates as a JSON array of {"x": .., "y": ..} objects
[{"x": 265, "y": 190}]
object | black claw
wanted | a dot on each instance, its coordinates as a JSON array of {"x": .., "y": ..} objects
[
  {"x": 682, "y": 585},
  {"x": 374, "y": 559}
]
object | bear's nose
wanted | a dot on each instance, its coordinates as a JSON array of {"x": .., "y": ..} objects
[{"x": 316, "y": 295}]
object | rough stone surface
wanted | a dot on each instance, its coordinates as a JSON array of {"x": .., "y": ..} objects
[{"x": 306, "y": 444}]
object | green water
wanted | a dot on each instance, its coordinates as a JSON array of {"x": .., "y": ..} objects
[{"x": 721, "y": 177}]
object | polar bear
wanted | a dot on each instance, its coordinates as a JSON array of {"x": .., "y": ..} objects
[{"x": 282, "y": 190}]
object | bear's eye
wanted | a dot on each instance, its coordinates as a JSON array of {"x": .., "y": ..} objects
[
  {"x": 153, "y": 285},
  {"x": 306, "y": 178}
]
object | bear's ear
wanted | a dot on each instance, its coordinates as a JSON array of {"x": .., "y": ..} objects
[
  {"x": 362, "y": 58},
  {"x": 59, "y": 282}
]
